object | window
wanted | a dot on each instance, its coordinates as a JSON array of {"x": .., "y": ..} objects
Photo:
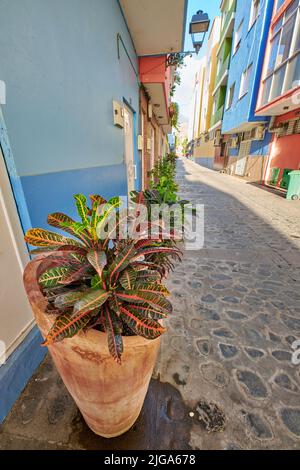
[
  {"x": 286, "y": 40},
  {"x": 277, "y": 85},
  {"x": 238, "y": 37},
  {"x": 230, "y": 96},
  {"x": 245, "y": 81},
  {"x": 279, "y": 4},
  {"x": 293, "y": 74},
  {"x": 273, "y": 54},
  {"x": 254, "y": 12},
  {"x": 282, "y": 72}
]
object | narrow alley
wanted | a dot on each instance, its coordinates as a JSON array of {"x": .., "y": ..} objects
[{"x": 229, "y": 339}]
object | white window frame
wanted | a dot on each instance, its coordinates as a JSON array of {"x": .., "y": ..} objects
[
  {"x": 238, "y": 39},
  {"x": 292, "y": 55},
  {"x": 245, "y": 75},
  {"x": 254, "y": 12},
  {"x": 230, "y": 96}
]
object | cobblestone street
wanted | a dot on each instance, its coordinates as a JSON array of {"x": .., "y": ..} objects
[{"x": 236, "y": 315}]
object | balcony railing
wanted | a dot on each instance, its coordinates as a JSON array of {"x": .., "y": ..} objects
[
  {"x": 217, "y": 116},
  {"x": 228, "y": 18},
  {"x": 224, "y": 67}
]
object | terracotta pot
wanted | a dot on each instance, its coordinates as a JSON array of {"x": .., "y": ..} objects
[{"x": 109, "y": 396}]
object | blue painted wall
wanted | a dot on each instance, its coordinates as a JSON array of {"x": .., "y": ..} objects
[
  {"x": 18, "y": 369},
  {"x": 261, "y": 147},
  {"x": 60, "y": 64},
  {"x": 251, "y": 51}
]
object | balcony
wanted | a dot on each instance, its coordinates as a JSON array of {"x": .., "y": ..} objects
[
  {"x": 217, "y": 116},
  {"x": 150, "y": 26},
  {"x": 222, "y": 75},
  {"x": 156, "y": 77},
  {"x": 227, "y": 27}
]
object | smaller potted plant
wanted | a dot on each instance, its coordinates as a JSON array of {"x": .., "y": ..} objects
[{"x": 99, "y": 303}]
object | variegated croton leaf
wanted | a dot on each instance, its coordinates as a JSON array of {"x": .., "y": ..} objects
[{"x": 104, "y": 283}]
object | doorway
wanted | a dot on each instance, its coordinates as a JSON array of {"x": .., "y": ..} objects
[
  {"x": 129, "y": 149},
  {"x": 244, "y": 151},
  {"x": 152, "y": 154},
  {"x": 15, "y": 314}
]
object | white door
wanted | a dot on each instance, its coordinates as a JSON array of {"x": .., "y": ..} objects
[
  {"x": 15, "y": 314},
  {"x": 129, "y": 148},
  {"x": 242, "y": 158}
]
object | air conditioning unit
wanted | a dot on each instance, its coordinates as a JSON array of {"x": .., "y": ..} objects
[
  {"x": 218, "y": 138},
  {"x": 234, "y": 142},
  {"x": 258, "y": 133},
  {"x": 246, "y": 135}
]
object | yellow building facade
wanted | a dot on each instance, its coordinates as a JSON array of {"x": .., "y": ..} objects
[{"x": 203, "y": 146}]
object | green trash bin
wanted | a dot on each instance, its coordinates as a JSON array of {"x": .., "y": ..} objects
[{"x": 294, "y": 185}]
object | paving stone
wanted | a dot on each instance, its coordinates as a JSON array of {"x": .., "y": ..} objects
[
  {"x": 207, "y": 313},
  {"x": 220, "y": 277},
  {"x": 281, "y": 355},
  {"x": 204, "y": 346},
  {"x": 230, "y": 299},
  {"x": 254, "y": 353},
  {"x": 228, "y": 350},
  {"x": 290, "y": 339},
  {"x": 195, "y": 284},
  {"x": 223, "y": 332},
  {"x": 291, "y": 418},
  {"x": 241, "y": 289},
  {"x": 291, "y": 322},
  {"x": 258, "y": 426},
  {"x": 236, "y": 315},
  {"x": 215, "y": 373},
  {"x": 232, "y": 446},
  {"x": 252, "y": 383},
  {"x": 274, "y": 338},
  {"x": 284, "y": 381},
  {"x": 208, "y": 298}
]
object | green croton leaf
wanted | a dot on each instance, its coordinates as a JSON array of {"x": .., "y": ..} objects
[
  {"x": 64, "y": 222},
  {"x": 128, "y": 278},
  {"x": 82, "y": 209},
  {"x": 91, "y": 300},
  {"x": 41, "y": 237},
  {"x": 68, "y": 299},
  {"x": 67, "y": 326},
  {"x": 54, "y": 277}
]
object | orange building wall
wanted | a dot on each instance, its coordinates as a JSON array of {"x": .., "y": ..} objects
[{"x": 285, "y": 151}]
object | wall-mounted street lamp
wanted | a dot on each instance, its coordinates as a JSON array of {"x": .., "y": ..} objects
[{"x": 199, "y": 25}]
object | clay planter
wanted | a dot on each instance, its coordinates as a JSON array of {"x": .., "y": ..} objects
[{"x": 109, "y": 396}]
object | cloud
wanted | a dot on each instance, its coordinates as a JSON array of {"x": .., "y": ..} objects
[{"x": 184, "y": 92}]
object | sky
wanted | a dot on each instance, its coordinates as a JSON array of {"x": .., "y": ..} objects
[{"x": 184, "y": 92}]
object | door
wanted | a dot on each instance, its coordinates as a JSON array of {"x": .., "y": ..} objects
[
  {"x": 143, "y": 120},
  {"x": 242, "y": 157},
  {"x": 129, "y": 148},
  {"x": 15, "y": 313},
  {"x": 152, "y": 154}
]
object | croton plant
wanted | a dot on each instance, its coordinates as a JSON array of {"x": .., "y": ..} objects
[{"x": 113, "y": 285}]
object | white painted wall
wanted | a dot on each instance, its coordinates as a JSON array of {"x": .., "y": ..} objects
[{"x": 16, "y": 318}]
